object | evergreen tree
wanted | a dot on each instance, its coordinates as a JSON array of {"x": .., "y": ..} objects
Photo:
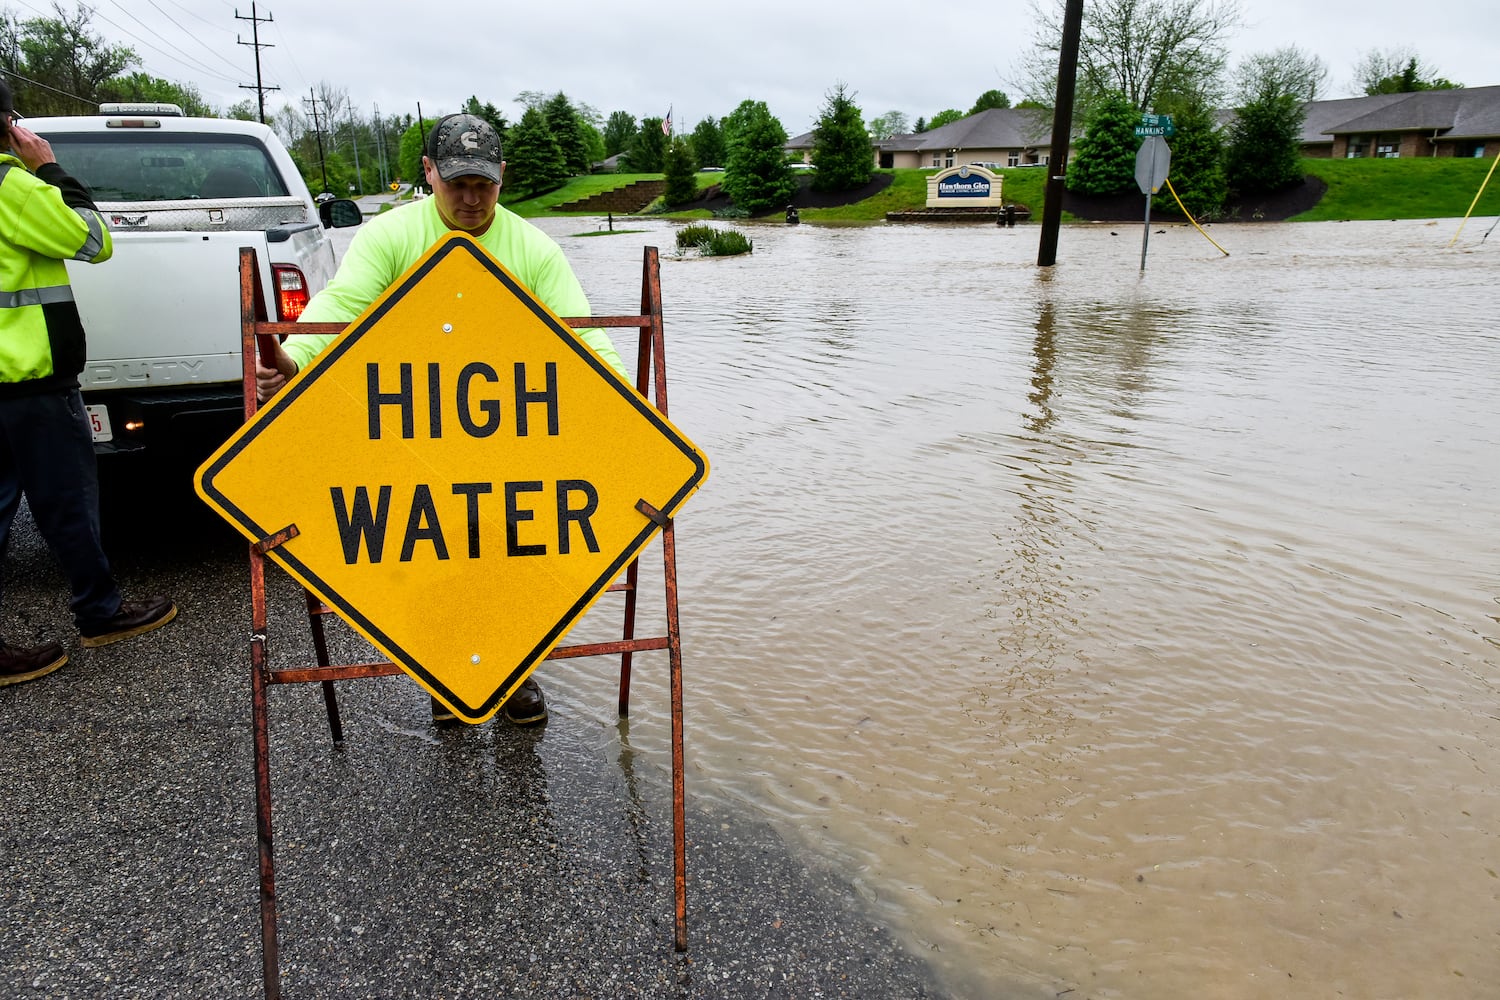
[
  {"x": 566, "y": 126},
  {"x": 534, "y": 161},
  {"x": 1105, "y": 163},
  {"x": 841, "y": 146},
  {"x": 644, "y": 155},
  {"x": 489, "y": 113},
  {"x": 682, "y": 173},
  {"x": 920, "y": 126},
  {"x": 1198, "y": 161},
  {"x": 708, "y": 143},
  {"x": 618, "y": 131},
  {"x": 1264, "y": 153},
  {"x": 756, "y": 176}
]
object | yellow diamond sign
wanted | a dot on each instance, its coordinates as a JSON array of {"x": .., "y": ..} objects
[{"x": 463, "y": 476}]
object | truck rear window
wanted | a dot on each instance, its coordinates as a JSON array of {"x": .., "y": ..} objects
[{"x": 138, "y": 166}]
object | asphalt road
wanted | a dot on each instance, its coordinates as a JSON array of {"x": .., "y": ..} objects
[{"x": 411, "y": 862}]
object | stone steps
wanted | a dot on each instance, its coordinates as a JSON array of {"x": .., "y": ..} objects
[{"x": 625, "y": 200}]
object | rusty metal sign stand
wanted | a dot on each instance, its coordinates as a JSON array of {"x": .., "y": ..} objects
[{"x": 651, "y": 381}]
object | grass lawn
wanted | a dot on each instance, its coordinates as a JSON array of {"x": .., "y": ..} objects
[{"x": 1430, "y": 188}]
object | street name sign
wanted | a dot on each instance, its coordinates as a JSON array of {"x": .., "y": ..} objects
[
  {"x": 458, "y": 476},
  {"x": 1156, "y": 125}
]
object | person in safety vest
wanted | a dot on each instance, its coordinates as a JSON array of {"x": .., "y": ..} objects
[
  {"x": 463, "y": 166},
  {"x": 46, "y": 445}
]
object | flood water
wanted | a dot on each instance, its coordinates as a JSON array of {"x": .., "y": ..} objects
[{"x": 1130, "y": 634}]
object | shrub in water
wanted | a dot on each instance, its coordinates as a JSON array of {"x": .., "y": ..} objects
[
  {"x": 726, "y": 243},
  {"x": 694, "y": 236}
]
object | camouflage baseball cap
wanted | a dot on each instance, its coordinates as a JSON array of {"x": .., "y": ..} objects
[{"x": 463, "y": 145}]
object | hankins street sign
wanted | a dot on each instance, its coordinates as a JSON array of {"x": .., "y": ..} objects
[
  {"x": 1156, "y": 125},
  {"x": 462, "y": 475}
]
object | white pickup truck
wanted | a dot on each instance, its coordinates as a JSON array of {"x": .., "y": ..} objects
[{"x": 181, "y": 196}]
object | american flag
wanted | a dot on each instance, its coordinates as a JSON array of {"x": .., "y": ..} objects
[{"x": 666, "y": 124}]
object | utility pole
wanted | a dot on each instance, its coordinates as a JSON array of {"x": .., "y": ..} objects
[
  {"x": 359, "y": 180},
  {"x": 385, "y": 177},
  {"x": 259, "y": 88},
  {"x": 1062, "y": 129},
  {"x": 318, "y": 131}
]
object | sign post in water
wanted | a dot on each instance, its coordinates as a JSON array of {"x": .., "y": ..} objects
[{"x": 1152, "y": 161}]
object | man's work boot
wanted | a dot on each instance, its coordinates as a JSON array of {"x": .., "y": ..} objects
[
  {"x": 133, "y": 618},
  {"x": 19, "y": 664},
  {"x": 527, "y": 706}
]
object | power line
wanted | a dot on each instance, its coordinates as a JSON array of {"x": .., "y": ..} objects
[{"x": 183, "y": 57}]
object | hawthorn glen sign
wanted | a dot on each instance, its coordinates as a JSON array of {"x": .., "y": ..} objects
[{"x": 967, "y": 186}]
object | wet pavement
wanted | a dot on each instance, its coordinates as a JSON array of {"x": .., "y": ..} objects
[{"x": 411, "y": 862}]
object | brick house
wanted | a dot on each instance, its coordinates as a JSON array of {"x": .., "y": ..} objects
[
  {"x": 1460, "y": 122},
  {"x": 997, "y": 138}
]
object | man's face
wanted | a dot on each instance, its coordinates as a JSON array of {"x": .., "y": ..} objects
[{"x": 465, "y": 203}]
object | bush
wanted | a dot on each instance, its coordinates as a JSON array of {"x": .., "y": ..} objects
[
  {"x": 691, "y": 236},
  {"x": 711, "y": 241},
  {"x": 725, "y": 243}
]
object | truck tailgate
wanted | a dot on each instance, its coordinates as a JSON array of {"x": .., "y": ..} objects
[{"x": 176, "y": 286}]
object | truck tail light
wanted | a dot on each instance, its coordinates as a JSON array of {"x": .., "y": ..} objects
[{"x": 291, "y": 291}]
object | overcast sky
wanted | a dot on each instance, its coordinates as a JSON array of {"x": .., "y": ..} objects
[{"x": 701, "y": 59}]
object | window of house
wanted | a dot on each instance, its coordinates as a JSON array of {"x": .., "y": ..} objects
[
  {"x": 937, "y": 160},
  {"x": 1359, "y": 145},
  {"x": 1388, "y": 146},
  {"x": 1474, "y": 149},
  {"x": 949, "y": 158},
  {"x": 1012, "y": 159}
]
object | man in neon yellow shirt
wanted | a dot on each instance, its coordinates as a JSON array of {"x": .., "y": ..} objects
[{"x": 463, "y": 167}]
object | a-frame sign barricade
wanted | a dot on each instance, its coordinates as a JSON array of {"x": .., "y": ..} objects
[{"x": 326, "y": 593}]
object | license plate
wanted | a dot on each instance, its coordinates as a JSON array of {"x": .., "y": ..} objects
[{"x": 99, "y": 423}]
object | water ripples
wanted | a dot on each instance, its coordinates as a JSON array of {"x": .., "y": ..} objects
[{"x": 1133, "y": 634}]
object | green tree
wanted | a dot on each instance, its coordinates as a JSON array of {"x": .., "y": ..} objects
[
  {"x": 756, "y": 176},
  {"x": 1151, "y": 51},
  {"x": 646, "y": 150},
  {"x": 708, "y": 143},
  {"x": 488, "y": 112},
  {"x": 990, "y": 99},
  {"x": 1264, "y": 152},
  {"x": 618, "y": 131},
  {"x": 681, "y": 172},
  {"x": 1198, "y": 161},
  {"x": 58, "y": 65},
  {"x": 535, "y": 163},
  {"x": 567, "y": 129},
  {"x": 1105, "y": 162},
  {"x": 841, "y": 146},
  {"x": 144, "y": 87},
  {"x": 1287, "y": 70},
  {"x": 889, "y": 124},
  {"x": 409, "y": 154},
  {"x": 920, "y": 126},
  {"x": 1397, "y": 71},
  {"x": 946, "y": 117}
]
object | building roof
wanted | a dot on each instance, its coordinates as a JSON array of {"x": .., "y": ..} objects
[
  {"x": 1463, "y": 112},
  {"x": 997, "y": 128},
  {"x": 1321, "y": 116}
]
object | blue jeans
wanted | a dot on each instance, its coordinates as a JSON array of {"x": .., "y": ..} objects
[{"x": 47, "y": 452}]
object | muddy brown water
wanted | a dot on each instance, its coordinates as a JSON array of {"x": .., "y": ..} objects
[{"x": 1126, "y": 634}]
